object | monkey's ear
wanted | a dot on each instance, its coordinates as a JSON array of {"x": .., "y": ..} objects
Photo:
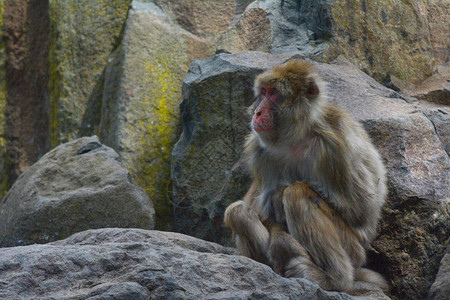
[{"x": 312, "y": 90}]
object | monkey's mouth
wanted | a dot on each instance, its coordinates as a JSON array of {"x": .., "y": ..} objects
[{"x": 261, "y": 128}]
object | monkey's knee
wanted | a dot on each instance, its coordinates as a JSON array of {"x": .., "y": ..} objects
[
  {"x": 232, "y": 213},
  {"x": 238, "y": 216},
  {"x": 302, "y": 206},
  {"x": 252, "y": 238}
]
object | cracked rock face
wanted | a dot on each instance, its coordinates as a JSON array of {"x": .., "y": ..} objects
[
  {"x": 118, "y": 263},
  {"x": 77, "y": 186},
  {"x": 410, "y": 138}
]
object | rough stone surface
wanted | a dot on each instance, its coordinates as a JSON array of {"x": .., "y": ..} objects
[
  {"x": 415, "y": 222},
  {"x": 251, "y": 32},
  {"x": 384, "y": 37},
  {"x": 83, "y": 34},
  {"x": 76, "y": 186},
  {"x": 435, "y": 89},
  {"x": 441, "y": 287},
  {"x": 380, "y": 37},
  {"x": 142, "y": 92},
  {"x": 439, "y": 24},
  {"x": 3, "y": 170},
  {"x": 207, "y": 179},
  {"x": 203, "y": 18},
  {"x": 439, "y": 115},
  {"x": 140, "y": 264}
]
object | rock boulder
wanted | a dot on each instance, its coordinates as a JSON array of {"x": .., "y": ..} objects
[
  {"x": 142, "y": 264},
  {"x": 77, "y": 186},
  {"x": 208, "y": 176}
]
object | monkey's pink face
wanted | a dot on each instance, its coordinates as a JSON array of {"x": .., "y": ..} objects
[{"x": 263, "y": 120}]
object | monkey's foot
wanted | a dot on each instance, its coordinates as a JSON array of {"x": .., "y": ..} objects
[{"x": 299, "y": 267}]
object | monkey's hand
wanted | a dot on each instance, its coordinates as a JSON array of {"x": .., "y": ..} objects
[
  {"x": 276, "y": 212},
  {"x": 313, "y": 188}
]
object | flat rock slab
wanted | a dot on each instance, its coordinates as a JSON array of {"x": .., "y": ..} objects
[{"x": 114, "y": 263}]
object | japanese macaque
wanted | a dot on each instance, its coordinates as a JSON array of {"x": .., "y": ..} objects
[{"x": 319, "y": 184}]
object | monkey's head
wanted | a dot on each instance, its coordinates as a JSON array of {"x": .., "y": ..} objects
[{"x": 285, "y": 95}]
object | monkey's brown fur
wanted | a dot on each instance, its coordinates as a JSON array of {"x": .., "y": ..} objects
[{"x": 319, "y": 184}]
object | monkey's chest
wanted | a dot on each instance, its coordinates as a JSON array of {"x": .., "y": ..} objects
[
  {"x": 292, "y": 171},
  {"x": 281, "y": 168}
]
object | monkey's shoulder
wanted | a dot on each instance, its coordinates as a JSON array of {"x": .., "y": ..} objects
[
  {"x": 340, "y": 124},
  {"x": 336, "y": 117}
]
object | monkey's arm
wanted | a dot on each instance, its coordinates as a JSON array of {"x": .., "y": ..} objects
[
  {"x": 344, "y": 187},
  {"x": 270, "y": 208}
]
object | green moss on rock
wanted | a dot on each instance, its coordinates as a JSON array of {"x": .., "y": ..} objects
[{"x": 83, "y": 34}]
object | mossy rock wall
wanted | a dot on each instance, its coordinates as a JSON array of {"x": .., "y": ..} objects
[{"x": 83, "y": 35}]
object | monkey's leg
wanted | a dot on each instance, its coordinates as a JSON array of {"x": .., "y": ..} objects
[
  {"x": 309, "y": 221},
  {"x": 252, "y": 238}
]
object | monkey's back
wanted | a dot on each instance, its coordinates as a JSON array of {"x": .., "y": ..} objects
[{"x": 366, "y": 184}]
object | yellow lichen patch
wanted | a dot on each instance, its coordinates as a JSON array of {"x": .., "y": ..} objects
[
  {"x": 159, "y": 75},
  {"x": 163, "y": 85}
]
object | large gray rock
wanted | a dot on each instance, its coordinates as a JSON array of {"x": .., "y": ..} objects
[
  {"x": 208, "y": 176},
  {"x": 279, "y": 27},
  {"x": 76, "y": 186},
  {"x": 203, "y": 18},
  {"x": 435, "y": 89},
  {"x": 439, "y": 115},
  {"x": 140, "y": 264}
]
